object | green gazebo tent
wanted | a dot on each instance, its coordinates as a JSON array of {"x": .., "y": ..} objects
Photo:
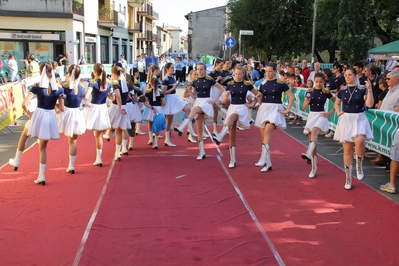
[{"x": 386, "y": 51}]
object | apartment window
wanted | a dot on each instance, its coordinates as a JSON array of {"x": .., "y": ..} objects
[
  {"x": 124, "y": 10},
  {"x": 120, "y": 8},
  {"x": 164, "y": 37}
]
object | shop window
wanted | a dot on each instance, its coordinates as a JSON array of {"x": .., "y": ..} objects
[
  {"x": 104, "y": 50},
  {"x": 9, "y": 48},
  {"x": 42, "y": 51}
]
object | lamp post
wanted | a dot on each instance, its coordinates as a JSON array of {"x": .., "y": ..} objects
[{"x": 314, "y": 30}]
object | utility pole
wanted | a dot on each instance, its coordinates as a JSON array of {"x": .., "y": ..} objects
[{"x": 314, "y": 30}]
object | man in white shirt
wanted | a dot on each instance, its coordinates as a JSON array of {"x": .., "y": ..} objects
[
  {"x": 140, "y": 65},
  {"x": 317, "y": 69},
  {"x": 12, "y": 64},
  {"x": 391, "y": 103},
  {"x": 123, "y": 61}
]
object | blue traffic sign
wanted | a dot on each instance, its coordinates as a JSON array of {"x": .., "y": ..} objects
[{"x": 230, "y": 42}]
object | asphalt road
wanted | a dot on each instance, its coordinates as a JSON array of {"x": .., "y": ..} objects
[{"x": 327, "y": 147}]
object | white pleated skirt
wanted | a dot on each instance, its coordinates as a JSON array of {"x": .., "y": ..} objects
[
  {"x": 269, "y": 113},
  {"x": 242, "y": 111},
  {"x": 205, "y": 106},
  {"x": 315, "y": 120},
  {"x": 44, "y": 125},
  {"x": 96, "y": 117},
  {"x": 351, "y": 125},
  {"x": 117, "y": 119},
  {"x": 71, "y": 122},
  {"x": 150, "y": 114},
  {"x": 173, "y": 104},
  {"x": 133, "y": 111}
]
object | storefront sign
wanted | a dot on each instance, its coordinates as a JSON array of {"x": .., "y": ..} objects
[
  {"x": 29, "y": 36},
  {"x": 90, "y": 39}
]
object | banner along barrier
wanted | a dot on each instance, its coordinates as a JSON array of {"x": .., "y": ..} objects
[
  {"x": 384, "y": 124},
  {"x": 12, "y": 94}
]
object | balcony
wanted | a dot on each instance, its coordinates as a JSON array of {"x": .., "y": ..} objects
[
  {"x": 148, "y": 12},
  {"x": 135, "y": 28},
  {"x": 40, "y": 8},
  {"x": 135, "y": 3},
  {"x": 78, "y": 7},
  {"x": 108, "y": 17}
]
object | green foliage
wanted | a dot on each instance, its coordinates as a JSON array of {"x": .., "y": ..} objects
[
  {"x": 280, "y": 27},
  {"x": 284, "y": 28}
]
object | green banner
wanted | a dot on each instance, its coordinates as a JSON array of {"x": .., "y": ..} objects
[{"x": 384, "y": 124}]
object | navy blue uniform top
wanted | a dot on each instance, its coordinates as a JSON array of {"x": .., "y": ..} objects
[
  {"x": 238, "y": 91},
  {"x": 203, "y": 86},
  {"x": 216, "y": 73},
  {"x": 273, "y": 90},
  {"x": 158, "y": 101},
  {"x": 330, "y": 84},
  {"x": 226, "y": 73},
  {"x": 169, "y": 82},
  {"x": 44, "y": 100},
  {"x": 340, "y": 81},
  {"x": 72, "y": 100},
  {"x": 318, "y": 98},
  {"x": 352, "y": 98},
  {"x": 97, "y": 96},
  {"x": 116, "y": 84},
  {"x": 132, "y": 91}
]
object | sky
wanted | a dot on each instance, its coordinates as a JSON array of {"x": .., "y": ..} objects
[{"x": 172, "y": 12}]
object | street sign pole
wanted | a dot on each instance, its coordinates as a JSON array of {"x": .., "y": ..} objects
[{"x": 243, "y": 32}]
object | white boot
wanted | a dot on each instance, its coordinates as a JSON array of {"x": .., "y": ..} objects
[
  {"x": 155, "y": 146},
  {"x": 268, "y": 166},
  {"x": 232, "y": 163},
  {"x": 151, "y": 136},
  {"x": 138, "y": 129},
  {"x": 131, "y": 141},
  {"x": 106, "y": 135},
  {"x": 16, "y": 160},
  {"x": 191, "y": 131},
  {"x": 359, "y": 167},
  {"x": 180, "y": 128},
  {"x": 312, "y": 173},
  {"x": 117, "y": 156},
  {"x": 215, "y": 129},
  {"x": 262, "y": 159},
  {"x": 71, "y": 165},
  {"x": 99, "y": 161},
  {"x": 201, "y": 154},
  {"x": 191, "y": 138},
  {"x": 348, "y": 176},
  {"x": 218, "y": 138},
  {"x": 124, "y": 147},
  {"x": 309, "y": 152},
  {"x": 40, "y": 179},
  {"x": 167, "y": 140}
]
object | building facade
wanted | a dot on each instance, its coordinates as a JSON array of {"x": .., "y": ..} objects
[
  {"x": 206, "y": 30},
  {"x": 101, "y": 30},
  {"x": 178, "y": 42}
]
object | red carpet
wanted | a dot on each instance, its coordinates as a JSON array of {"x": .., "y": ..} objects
[{"x": 172, "y": 210}]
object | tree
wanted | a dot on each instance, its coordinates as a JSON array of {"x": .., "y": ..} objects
[
  {"x": 280, "y": 27},
  {"x": 354, "y": 34},
  {"x": 385, "y": 19}
]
